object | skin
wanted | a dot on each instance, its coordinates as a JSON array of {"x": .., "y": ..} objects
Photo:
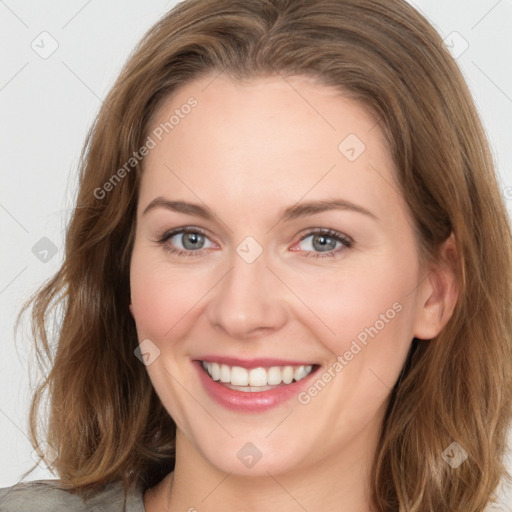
[{"x": 248, "y": 150}]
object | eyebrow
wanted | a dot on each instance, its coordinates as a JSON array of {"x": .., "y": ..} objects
[{"x": 295, "y": 211}]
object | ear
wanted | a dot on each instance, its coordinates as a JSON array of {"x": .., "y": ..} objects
[
  {"x": 130, "y": 307},
  {"x": 438, "y": 292}
]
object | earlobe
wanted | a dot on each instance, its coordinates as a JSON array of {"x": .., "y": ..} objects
[
  {"x": 130, "y": 307},
  {"x": 438, "y": 293}
]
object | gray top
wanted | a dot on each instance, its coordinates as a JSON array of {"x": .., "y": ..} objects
[{"x": 44, "y": 496}]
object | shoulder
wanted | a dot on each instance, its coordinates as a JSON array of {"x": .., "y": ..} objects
[{"x": 46, "y": 496}]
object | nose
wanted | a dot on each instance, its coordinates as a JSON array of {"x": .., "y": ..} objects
[{"x": 249, "y": 301}]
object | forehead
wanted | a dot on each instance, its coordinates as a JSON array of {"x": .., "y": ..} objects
[{"x": 268, "y": 139}]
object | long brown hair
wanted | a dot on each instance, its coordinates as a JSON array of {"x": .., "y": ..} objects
[{"x": 104, "y": 418}]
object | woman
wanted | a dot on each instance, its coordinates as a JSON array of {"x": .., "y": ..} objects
[{"x": 287, "y": 276}]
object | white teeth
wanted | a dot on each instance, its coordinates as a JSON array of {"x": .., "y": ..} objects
[
  {"x": 288, "y": 374},
  {"x": 274, "y": 376},
  {"x": 239, "y": 376},
  {"x": 262, "y": 378},
  {"x": 215, "y": 371},
  {"x": 225, "y": 373},
  {"x": 258, "y": 377},
  {"x": 300, "y": 373}
]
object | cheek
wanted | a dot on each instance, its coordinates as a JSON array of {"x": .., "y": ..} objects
[
  {"x": 366, "y": 325},
  {"x": 163, "y": 300},
  {"x": 365, "y": 304},
  {"x": 163, "y": 306}
]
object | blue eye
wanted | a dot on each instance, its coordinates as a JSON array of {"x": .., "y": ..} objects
[
  {"x": 191, "y": 239},
  {"x": 327, "y": 242},
  {"x": 324, "y": 243}
]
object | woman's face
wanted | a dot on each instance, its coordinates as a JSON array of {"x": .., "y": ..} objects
[{"x": 272, "y": 244}]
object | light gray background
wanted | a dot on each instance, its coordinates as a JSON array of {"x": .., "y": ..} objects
[{"x": 48, "y": 104}]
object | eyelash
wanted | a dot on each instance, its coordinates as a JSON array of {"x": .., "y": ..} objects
[{"x": 346, "y": 242}]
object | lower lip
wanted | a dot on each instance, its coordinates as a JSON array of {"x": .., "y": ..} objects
[{"x": 249, "y": 401}]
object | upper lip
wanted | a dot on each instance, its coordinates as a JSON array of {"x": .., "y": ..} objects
[{"x": 261, "y": 362}]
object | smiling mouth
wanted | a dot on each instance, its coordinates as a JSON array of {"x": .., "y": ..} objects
[{"x": 256, "y": 379}]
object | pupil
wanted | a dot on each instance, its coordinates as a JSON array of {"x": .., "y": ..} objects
[
  {"x": 323, "y": 239},
  {"x": 191, "y": 240}
]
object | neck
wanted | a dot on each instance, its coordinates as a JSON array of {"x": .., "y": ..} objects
[{"x": 338, "y": 482}]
